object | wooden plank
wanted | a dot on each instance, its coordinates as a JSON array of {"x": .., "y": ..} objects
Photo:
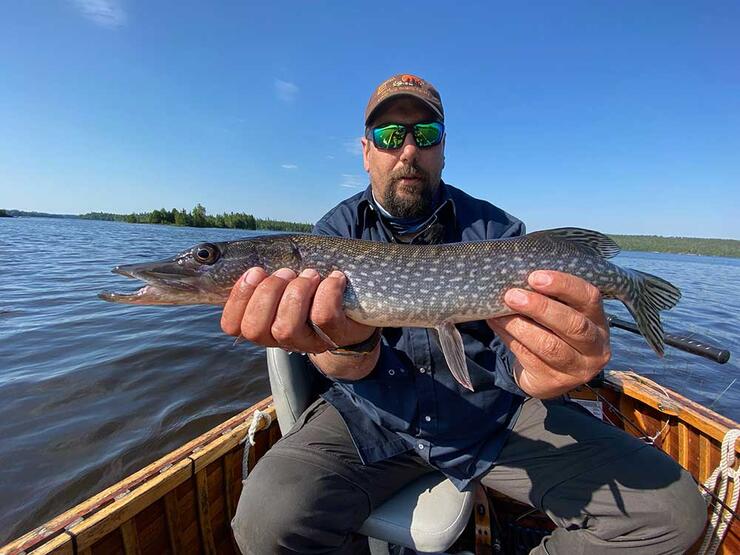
[
  {"x": 229, "y": 485},
  {"x": 151, "y": 530},
  {"x": 671, "y": 443},
  {"x": 59, "y": 545},
  {"x": 130, "y": 540},
  {"x": 220, "y": 523},
  {"x": 204, "y": 517},
  {"x": 705, "y": 447},
  {"x": 172, "y": 516},
  {"x": 693, "y": 465},
  {"x": 114, "y": 515},
  {"x": 683, "y": 444},
  {"x": 482, "y": 517},
  {"x": 231, "y": 479},
  {"x": 234, "y": 463}
]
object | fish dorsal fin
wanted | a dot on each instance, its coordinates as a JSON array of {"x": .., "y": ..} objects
[{"x": 593, "y": 241}]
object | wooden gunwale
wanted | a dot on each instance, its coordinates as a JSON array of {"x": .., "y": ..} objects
[{"x": 669, "y": 402}]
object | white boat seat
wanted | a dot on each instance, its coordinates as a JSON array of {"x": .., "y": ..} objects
[{"x": 427, "y": 515}]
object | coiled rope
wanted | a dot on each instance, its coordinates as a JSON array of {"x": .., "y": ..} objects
[
  {"x": 717, "y": 484},
  {"x": 248, "y": 440}
]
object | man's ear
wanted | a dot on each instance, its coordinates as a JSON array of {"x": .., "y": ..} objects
[{"x": 365, "y": 153}]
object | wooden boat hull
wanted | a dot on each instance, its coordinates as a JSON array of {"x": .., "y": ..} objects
[{"x": 183, "y": 503}]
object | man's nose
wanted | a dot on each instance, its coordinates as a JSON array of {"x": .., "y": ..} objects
[{"x": 409, "y": 149}]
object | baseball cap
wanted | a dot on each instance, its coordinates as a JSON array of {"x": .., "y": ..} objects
[{"x": 405, "y": 84}]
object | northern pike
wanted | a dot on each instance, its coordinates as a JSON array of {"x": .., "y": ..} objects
[{"x": 399, "y": 285}]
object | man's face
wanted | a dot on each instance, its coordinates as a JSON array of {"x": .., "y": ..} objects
[{"x": 406, "y": 180}]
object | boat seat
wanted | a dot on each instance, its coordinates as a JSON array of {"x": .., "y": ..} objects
[{"x": 427, "y": 515}]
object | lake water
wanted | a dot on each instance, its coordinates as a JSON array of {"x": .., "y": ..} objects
[{"x": 91, "y": 391}]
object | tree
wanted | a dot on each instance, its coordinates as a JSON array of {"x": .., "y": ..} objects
[{"x": 199, "y": 216}]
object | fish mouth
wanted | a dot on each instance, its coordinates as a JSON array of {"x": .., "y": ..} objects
[{"x": 166, "y": 284}]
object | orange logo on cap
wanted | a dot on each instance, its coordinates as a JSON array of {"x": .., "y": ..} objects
[{"x": 412, "y": 80}]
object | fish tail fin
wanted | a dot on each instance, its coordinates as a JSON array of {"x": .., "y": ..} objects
[{"x": 647, "y": 298}]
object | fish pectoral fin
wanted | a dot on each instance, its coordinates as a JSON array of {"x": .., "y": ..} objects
[{"x": 454, "y": 351}]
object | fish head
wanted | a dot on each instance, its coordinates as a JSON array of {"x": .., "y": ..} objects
[{"x": 203, "y": 274}]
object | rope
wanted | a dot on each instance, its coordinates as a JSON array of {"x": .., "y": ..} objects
[
  {"x": 248, "y": 440},
  {"x": 257, "y": 417},
  {"x": 721, "y": 516}
]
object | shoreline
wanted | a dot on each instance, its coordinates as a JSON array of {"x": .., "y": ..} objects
[{"x": 725, "y": 248}]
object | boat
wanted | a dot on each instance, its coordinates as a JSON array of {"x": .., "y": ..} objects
[{"x": 183, "y": 502}]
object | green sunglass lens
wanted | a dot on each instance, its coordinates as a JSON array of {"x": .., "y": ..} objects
[
  {"x": 393, "y": 135},
  {"x": 427, "y": 134},
  {"x": 390, "y": 136}
]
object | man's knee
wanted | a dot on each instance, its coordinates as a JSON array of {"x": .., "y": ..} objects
[
  {"x": 292, "y": 506},
  {"x": 257, "y": 517},
  {"x": 684, "y": 513}
]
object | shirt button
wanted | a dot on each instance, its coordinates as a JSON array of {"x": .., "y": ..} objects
[
  {"x": 422, "y": 370},
  {"x": 391, "y": 372},
  {"x": 421, "y": 447},
  {"x": 428, "y": 418}
]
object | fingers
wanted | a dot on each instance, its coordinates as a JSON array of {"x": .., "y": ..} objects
[
  {"x": 290, "y": 328},
  {"x": 535, "y": 346},
  {"x": 259, "y": 314},
  {"x": 570, "y": 290},
  {"x": 231, "y": 317},
  {"x": 542, "y": 380},
  {"x": 328, "y": 314},
  {"x": 274, "y": 310},
  {"x": 566, "y": 305}
]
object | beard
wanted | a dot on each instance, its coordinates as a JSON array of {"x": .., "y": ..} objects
[{"x": 409, "y": 200}]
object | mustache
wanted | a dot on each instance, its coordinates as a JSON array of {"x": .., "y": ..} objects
[{"x": 408, "y": 172}]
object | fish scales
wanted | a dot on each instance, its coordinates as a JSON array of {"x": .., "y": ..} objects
[{"x": 398, "y": 285}]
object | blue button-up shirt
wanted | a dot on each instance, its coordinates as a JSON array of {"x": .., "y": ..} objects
[{"x": 411, "y": 400}]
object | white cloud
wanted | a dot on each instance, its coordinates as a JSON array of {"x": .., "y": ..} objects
[
  {"x": 290, "y": 166},
  {"x": 354, "y": 146},
  {"x": 352, "y": 181},
  {"x": 106, "y": 13},
  {"x": 287, "y": 92}
]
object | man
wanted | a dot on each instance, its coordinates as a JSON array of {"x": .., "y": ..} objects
[{"x": 393, "y": 411}]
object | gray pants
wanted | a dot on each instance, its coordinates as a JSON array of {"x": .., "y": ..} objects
[{"x": 606, "y": 491}]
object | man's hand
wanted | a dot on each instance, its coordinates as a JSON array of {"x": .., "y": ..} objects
[
  {"x": 274, "y": 311},
  {"x": 560, "y": 336}
]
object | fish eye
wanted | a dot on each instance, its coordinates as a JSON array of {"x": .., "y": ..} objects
[{"x": 206, "y": 253}]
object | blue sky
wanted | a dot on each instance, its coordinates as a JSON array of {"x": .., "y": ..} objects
[{"x": 622, "y": 116}]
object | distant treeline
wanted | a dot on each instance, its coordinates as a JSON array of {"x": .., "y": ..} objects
[
  {"x": 24, "y": 213},
  {"x": 680, "y": 245},
  {"x": 198, "y": 217},
  {"x": 4, "y": 213}
]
